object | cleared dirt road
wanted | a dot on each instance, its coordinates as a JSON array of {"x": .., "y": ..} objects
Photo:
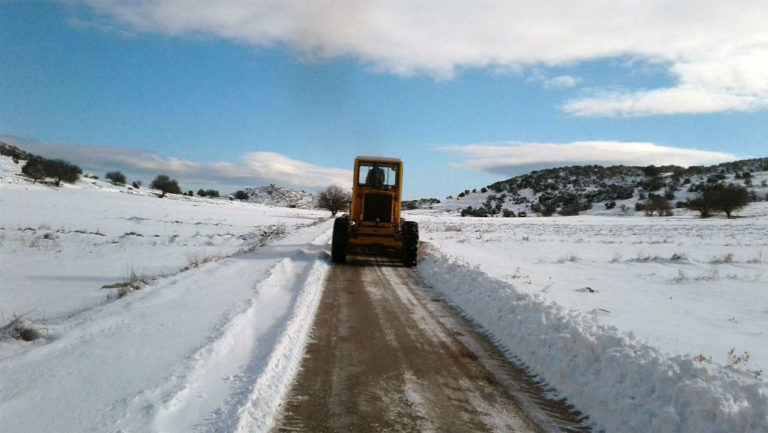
[{"x": 388, "y": 355}]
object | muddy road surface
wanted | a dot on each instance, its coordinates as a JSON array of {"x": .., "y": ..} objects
[{"x": 387, "y": 354}]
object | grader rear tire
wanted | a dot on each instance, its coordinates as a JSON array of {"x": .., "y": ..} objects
[
  {"x": 340, "y": 240},
  {"x": 410, "y": 243}
]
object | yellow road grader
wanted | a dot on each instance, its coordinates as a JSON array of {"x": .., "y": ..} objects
[{"x": 373, "y": 224}]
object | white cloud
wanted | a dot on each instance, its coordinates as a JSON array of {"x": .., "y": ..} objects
[
  {"x": 558, "y": 82},
  {"x": 253, "y": 169},
  {"x": 675, "y": 100},
  {"x": 712, "y": 83},
  {"x": 561, "y": 82},
  {"x": 513, "y": 157},
  {"x": 715, "y": 49}
]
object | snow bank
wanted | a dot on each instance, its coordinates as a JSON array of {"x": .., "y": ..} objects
[
  {"x": 273, "y": 384},
  {"x": 622, "y": 384}
]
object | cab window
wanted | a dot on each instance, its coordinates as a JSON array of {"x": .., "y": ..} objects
[{"x": 377, "y": 174}]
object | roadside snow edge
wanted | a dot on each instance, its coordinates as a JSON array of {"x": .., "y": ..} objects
[
  {"x": 272, "y": 386},
  {"x": 622, "y": 384}
]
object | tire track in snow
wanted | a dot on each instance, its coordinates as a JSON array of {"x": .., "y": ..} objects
[{"x": 236, "y": 381}]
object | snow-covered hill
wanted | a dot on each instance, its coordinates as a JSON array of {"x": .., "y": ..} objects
[
  {"x": 272, "y": 195},
  {"x": 601, "y": 190}
]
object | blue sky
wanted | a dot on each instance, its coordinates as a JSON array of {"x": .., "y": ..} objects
[{"x": 232, "y": 94}]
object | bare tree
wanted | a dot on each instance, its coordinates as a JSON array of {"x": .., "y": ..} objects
[{"x": 334, "y": 199}]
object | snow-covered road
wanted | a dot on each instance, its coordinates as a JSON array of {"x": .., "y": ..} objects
[{"x": 388, "y": 354}]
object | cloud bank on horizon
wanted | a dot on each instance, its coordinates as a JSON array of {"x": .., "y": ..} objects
[
  {"x": 253, "y": 169},
  {"x": 514, "y": 158},
  {"x": 716, "y": 52},
  {"x": 261, "y": 168}
]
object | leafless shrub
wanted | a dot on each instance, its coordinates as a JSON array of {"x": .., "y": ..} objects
[
  {"x": 728, "y": 258},
  {"x": 518, "y": 274},
  {"x": 625, "y": 210},
  {"x": 701, "y": 358},
  {"x": 568, "y": 258},
  {"x": 21, "y": 328},
  {"x": 334, "y": 199},
  {"x": 756, "y": 259},
  {"x": 712, "y": 275},
  {"x": 645, "y": 258},
  {"x": 275, "y": 231},
  {"x": 681, "y": 276},
  {"x": 735, "y": 360},
  {"x": 195, "y": 260},
  {"x": 133, "y": 282}
]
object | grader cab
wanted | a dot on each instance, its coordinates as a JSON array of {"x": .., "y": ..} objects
[{"x": 373, "y": 224}]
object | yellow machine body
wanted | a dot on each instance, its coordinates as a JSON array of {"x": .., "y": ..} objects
[
  {"x": 374, "y": 212},
  {"x": 374, "y": 224}
]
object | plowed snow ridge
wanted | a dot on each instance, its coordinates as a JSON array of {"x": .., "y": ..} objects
[
  {"x": 621, "y": 383},
  {"x": 237, "y": 380}
]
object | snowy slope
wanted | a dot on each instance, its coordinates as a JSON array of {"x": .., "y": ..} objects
[
  {"x": 598, "y": 186},
  {"x": 229, "y": 293},
  {"x": 630, "y": 318},
  {"x": 272, "y": 195}
]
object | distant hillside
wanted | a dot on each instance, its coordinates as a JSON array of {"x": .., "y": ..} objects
[
  {"x": 13, "y": 151},
  {"x": 422, "y": 203},
  {"x": 601, "y": 189},
  {"x": 272, "y": 195}
]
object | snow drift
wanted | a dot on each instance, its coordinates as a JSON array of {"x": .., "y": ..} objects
[{"x": 623, "y": 384}]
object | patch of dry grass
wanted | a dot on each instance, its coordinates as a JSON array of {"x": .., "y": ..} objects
[
  {"x": 133, "y": 282},
  {"x": 21, "y": 328}
]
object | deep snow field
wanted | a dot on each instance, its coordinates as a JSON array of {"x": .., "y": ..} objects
[
  {"x": 631, "y": 318},
  {"x": 208, "y": 342},
  {"x": 59, "y": 241},
  {"x": 688, "y": 286}
]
